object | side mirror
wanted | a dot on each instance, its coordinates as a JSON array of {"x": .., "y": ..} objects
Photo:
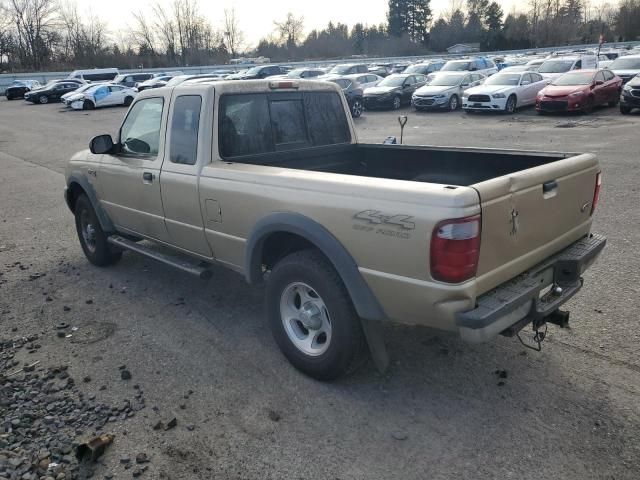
[
  {"x": 101, "y": 144},
  {"x": 599, "y": 82}
]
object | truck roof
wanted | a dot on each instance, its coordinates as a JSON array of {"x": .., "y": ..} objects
[{"x": 254, "y": 86}]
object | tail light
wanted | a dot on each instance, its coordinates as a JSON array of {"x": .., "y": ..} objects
[
  {"x": 596, "y": 192},
  {"x": 455, "y": 249}
]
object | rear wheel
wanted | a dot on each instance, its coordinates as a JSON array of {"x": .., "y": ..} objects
[
  {"x": 625, "y": 110},
  {"x": 615, "y": 101},
  {"x": 356, "y": 108},
  {"x": 510, "y": 106},
  {"x": 312, "y": 317},
  {"x": 454, "y": 103},
  {"x": 43, "y": 99},
  {"x": 92, "y": 238},
  {"x": 397, "y": 103}
]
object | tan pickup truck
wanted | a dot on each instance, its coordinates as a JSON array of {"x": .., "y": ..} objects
[{"x": 267, "y": 178}]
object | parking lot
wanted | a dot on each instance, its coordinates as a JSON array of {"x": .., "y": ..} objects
[{"x": 444, "y": 409}]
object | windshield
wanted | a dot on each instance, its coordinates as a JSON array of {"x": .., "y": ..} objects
[
  {"x": 623, "y": 63},
  {"x": 556, "y": 66},
  {"x": 456, "y": 67},
  {"x": 446, "y": 80},
  {"x": 18, "y": 83},
  {"x": 503, "y": 79},
  {"x": 297, "y": 73},
  {"x": 84, "y": 88},
  {"x": 392, "y": 81},
  {"x": 253, "y": 70},
  {"x": 416, "y": 69},
  {"x": 340, "y": 69},
  {"x": 119, "y": 78},
  {"x": 177, "y": 80},
  {"x": 574, "y": 78}
]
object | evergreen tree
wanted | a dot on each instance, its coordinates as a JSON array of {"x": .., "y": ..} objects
[{"x": 397, "y": 17}]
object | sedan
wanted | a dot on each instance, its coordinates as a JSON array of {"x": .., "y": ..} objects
[
  {"x": 51, "y": 92},
  {"x": 394, "y": 91},
  {"x": 630, "y": 97},
  {"x": 580, "y": 90},
  {"x": 102, "y": 96},
  {"x": 352, "y": 92},
  {"x": 504, "y": 92},
  {"x": 445, "y": 90},
  {"x": 365, "y": 80},
  {"x": 19, "y": 87}
]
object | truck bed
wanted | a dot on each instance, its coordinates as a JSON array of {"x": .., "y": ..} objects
[{"x": 443, "y": 165}]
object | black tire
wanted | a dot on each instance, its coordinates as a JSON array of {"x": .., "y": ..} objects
[
  {"x": 88, "y": 105},
  {"x": 454, "y": 103},
  {"x": 128, "y": 101},
  {"x": 615, "y": 101},
  {"x": 96, "y": 249},
  {"x": 625, "y": 110},
  {"x": 356, "y": 108},
  {"x": 510, "y": 106},
  {"x": 43, "y": 99},
  {"x": 397, "y": 102},
  {"x": 347, "y": 344},
  {"x": 587, "y": 108}
]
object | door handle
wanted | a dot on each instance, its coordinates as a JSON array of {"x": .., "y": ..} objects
[
  {"x": 549, "y": 186},
  {"x": 147, "y": 177}
]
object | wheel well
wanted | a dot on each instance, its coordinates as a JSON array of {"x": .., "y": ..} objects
[
  {"x": 73, "y": 193},
  {"x": 280, "y": 244}
]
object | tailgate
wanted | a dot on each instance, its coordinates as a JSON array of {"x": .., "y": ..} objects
[{"x": 532, "y": 214}]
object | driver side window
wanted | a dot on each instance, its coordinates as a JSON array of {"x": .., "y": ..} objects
[{"x": 140, "y": 132}]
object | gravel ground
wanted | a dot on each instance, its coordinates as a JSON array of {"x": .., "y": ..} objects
[{"x": 210, "y": 396}]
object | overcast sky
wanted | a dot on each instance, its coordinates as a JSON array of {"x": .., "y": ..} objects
[{"x": 256, "y": 16}]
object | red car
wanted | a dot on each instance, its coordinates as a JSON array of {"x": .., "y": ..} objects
[{"x": 580, "y": 90}]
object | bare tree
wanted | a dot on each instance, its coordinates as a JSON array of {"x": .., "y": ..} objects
[
  {"x": 143, "y": 33},
  {"x": 233, "y": 37},
  {"x": 33, "y": 20},
  {"x": 290, "y": 30}
]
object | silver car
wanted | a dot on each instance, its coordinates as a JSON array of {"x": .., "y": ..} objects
[{"x": 444, "y": 91}]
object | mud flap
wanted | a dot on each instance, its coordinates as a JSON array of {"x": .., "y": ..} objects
[{"x": 373, "y": 333}]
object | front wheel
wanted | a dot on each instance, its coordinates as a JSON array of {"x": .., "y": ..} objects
[
  {"x": 454, "y": 103},
  {"x": 510, "y": 106},
  {"x": 88, "y": 105},
  {"x": 356, "y": 108},
  {"x": 128, "y": 101},
  {"x": 92, "y": 238},
  {"x": 312, "y": 317},
  {"x": 43, "y": 99},
  {"x": 625, "y": 110},
  {"x": 397, "y": 103},
  {"x": 588, "y": 106}
]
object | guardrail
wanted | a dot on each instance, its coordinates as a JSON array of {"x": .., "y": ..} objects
[{"x": 43, "y": 77}]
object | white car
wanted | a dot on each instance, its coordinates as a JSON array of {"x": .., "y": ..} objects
[
  {"x": 104, "y": 95},
  {"x": 504, "y": 92},
  {"x": 365, "y": 80},
  {"x": 75, "y": 94},
  {"x": 480, "y": 65},
  {"x": 445, "y": 90},
  {"x": 556, "y": 66}
]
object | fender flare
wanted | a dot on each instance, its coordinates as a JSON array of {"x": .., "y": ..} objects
[
  {"x": 83, "y": 183},
  {"x": 364, "y": 301}
]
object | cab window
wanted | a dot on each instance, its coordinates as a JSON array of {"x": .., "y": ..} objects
[
  {"x": 185, "y": 122},
  {"x": 140, "y": 132}
]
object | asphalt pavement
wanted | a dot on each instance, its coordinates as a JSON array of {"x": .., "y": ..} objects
[{"x": 202, "y": 353}]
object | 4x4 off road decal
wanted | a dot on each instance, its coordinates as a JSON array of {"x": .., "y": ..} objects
[{"x": 375, "y": 217}]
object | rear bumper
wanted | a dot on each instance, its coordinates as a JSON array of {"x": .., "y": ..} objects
[{"x": 520, "y": 298}]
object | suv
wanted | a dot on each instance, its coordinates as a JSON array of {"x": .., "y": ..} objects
[
  {"x": 556, "y": 66},
  {"x": 349, "y": 69},
  {"x": 131, "y": 79},
  {"x": 626, "y": 67},
  {"x": 425, "y": 68},
  {"x": 480, "y": 65}
]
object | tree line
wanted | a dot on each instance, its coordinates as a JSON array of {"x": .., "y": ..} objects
[{"x": 53, "y": 34}]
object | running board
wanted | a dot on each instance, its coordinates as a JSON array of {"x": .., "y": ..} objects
[{"x": 184, "y": 265}]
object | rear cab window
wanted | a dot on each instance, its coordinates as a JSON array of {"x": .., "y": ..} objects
[{"x": 255, "y": 124}]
